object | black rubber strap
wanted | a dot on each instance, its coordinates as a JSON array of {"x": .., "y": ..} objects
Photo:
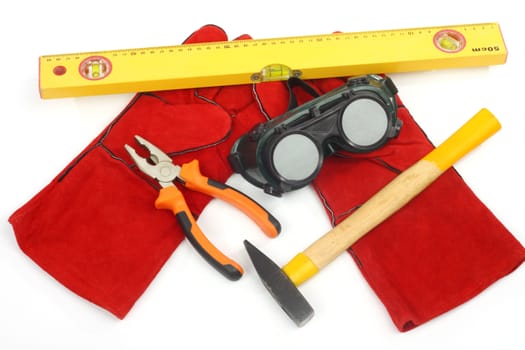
[{"x": 294, "y": 82}]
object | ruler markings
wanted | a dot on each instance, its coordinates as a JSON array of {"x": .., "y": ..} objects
[
  {"x": 401, "y": 46},
  {"x": 253, "y": 43}
]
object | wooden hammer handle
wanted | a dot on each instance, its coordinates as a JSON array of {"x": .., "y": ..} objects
[{"x": 392, "y": 197}]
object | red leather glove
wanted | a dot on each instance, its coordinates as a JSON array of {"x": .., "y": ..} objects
[
  {"x": 94, "y": 228},
  {"x": 437, "y": 252}
]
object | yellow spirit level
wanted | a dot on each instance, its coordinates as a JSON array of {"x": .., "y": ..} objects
[{"x": 249, "y": 61}]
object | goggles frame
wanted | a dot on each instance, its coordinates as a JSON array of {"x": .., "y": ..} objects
[{"x": 320, "y": 121}]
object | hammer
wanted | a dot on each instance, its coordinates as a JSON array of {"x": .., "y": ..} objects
[{"x": 282, "y": 283}]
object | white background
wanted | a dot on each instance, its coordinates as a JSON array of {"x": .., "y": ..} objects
[{"x": 189, "y": 305}]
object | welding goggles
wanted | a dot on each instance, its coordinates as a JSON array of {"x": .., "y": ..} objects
[{"x": 286, "y": 153}]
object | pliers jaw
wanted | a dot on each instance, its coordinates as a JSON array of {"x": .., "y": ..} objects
[{"x": 159, "y": 165}]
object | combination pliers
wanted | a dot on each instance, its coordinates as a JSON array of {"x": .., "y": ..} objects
[{"x": 160, "y": 167}]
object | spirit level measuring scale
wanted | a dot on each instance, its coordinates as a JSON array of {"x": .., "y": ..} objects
[{"x": 249, "y": 61}]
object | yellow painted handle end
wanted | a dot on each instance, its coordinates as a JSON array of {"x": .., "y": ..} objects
[
  {"x": 300, "y": 269},
  {"x": 479, "y": 128}
]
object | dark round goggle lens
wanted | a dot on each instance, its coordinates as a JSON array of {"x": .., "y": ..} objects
[
  {"x": 364, "y": 122},
  {"x": 295, "y": 157}
]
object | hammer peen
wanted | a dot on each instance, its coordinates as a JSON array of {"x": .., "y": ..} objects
[{"x": 282, "y": 283}]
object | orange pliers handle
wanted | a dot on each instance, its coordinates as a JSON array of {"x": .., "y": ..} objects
[
  {"x": 171, "y": 198},
  {"x": 194, "y": 180}
]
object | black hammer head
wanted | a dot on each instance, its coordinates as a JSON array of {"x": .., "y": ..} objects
[{"x": 280, "y": 287}]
